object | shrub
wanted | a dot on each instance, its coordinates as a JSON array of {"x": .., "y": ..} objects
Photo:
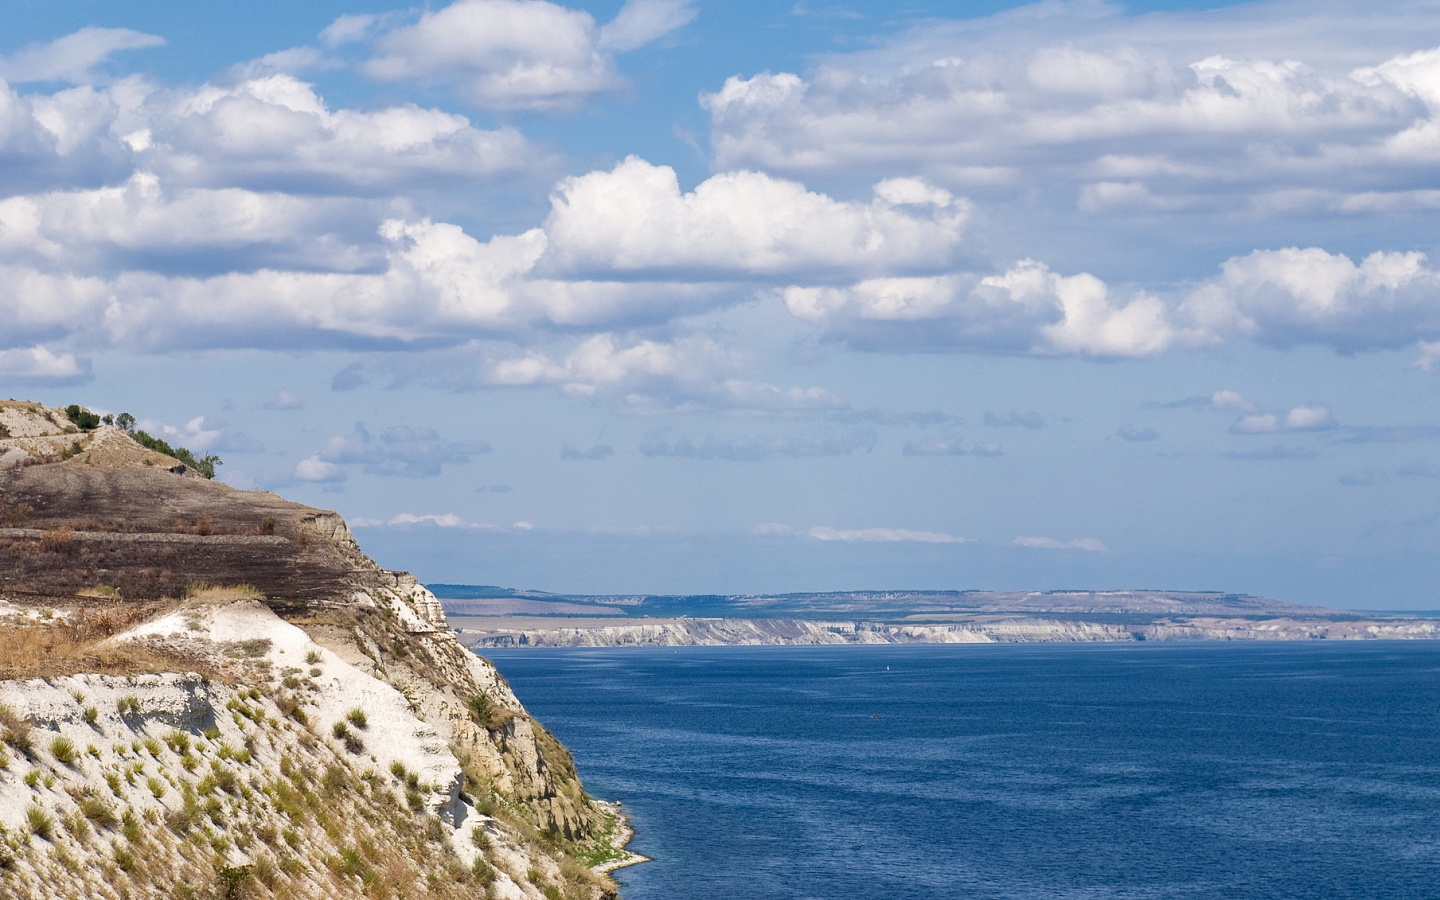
[
  {"x": 63, "y": 749},
  {"x": 15, "y": 731},
  {"x": 82, "y": 417},
  {"x": 41, "y": 823},
  {"x": 312, "y": 657},
  {"x": 57, "y": 540},
  {"x": 156, "y": 786},
  {"x": 128, "y": 705},
  {"x": 130, "y": 826},
  {"x": 357, "y": 718},
  {"x": 97, "y": 811},
  {"x": 339, "y": 729},
  {"x": 482, "y": 711},
  {"x": 91, "y": 715},
  {"x": 205, "y": 465},
  {"x": 179, "y": 742}
]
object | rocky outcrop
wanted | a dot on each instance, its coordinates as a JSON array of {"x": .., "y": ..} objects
[{"x": 310, "y": 657}]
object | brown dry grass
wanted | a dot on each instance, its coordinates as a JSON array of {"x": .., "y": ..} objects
[{"x": 75, "y": 645}]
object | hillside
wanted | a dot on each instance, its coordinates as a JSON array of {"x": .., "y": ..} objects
[{"x": 214, "y": 692}]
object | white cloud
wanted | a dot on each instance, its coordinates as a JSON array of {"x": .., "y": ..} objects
[
  {"x": 73, "y": 57},
  {"x": 884, "y": 535},
  {"x": 39, "y": 363},
  {"x": 437, "y": 520},
  {"x": 1026, "y": 309},
  {"x": 284, "y": 400},
  {"x": 1298, "y": 296},
  {"x": 1090, "y": 545},
  {"x": 1300, "y": 418},
  {"x": 640, "y": 22},
  {"x": 443, "y": 520},
  {"x": 276, "y": 131},
  {"x": 1164, "y": 111},
  {"x": 505, "y": 54},
  {"x": 635, "y": 219},
  {"x": 1226, "y": 399},
  {"x": 645, "y": 376},
  {"x": 1429, "y": 356},
  {"x": 862, "y": 535},
  {"x": 313, "y": 468},
  {"x": 131, "y": 223}
]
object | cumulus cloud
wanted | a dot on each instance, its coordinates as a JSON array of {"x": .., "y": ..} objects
[
  {"x": 314, "y": 469},
  {"x": 754, "y": 448},
  {"x": 647, "y": 376},
  {"x": 74, "y": 57},
  {"x": 1165, "y": 111},
  {"x": 1090, "y": 545},
  {"x": 1300, "y": 418},
  {"x": 40, "y": 364},
  {"x": 399, "y": 450},
  {"x": 635, "y": 219},
  {"x": 514, "y": 54},
  {"x": 1297, "y": 296},
  {"x": 1027, "y": 309},
  {"x": 275, "y": 131},
  {"x": 142, "y": 224}
]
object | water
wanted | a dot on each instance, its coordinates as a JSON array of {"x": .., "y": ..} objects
[{"x": 1095, "y": 771}]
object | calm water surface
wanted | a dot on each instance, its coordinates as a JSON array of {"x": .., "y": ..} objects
[{"x": 1178, "y": 770}]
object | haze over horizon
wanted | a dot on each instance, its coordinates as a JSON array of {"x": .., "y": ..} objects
[{"x": 671, "y": 296}]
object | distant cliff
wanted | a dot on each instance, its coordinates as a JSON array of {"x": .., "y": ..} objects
[{"x": 720, "y": 632}]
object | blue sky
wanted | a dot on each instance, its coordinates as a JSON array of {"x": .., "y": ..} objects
[{"x": 676, "y": 296}]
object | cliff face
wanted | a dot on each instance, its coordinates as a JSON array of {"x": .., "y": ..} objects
[
  {"x": 976, "y": 630},
  {"x": 272, "y": 710}
]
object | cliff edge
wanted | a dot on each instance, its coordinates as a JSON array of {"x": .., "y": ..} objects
[{"x": 215, "y": 692}]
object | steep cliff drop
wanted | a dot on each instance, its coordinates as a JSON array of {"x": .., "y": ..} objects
[{"x": 214, "y": 693}]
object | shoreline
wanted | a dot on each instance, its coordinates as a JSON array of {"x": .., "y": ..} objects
[
  {"x": 623, "y": 834},
  {"x": 482, "y": 634}
]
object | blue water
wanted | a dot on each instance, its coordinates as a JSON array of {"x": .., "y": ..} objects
[{"x": 1178, "y": 770}]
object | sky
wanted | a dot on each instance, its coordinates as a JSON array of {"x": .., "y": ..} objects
[{"x": 677, "y": 296}]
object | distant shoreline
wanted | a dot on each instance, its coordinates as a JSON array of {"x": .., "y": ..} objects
[{"x": 510, "y": 632}]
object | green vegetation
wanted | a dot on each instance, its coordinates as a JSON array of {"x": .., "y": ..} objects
[
  {"x": 63, "y": 749},
  {"x": 83, "y": 418},
  {"x": 41, "y": 823},
  {"x": 205, "y": 465}
]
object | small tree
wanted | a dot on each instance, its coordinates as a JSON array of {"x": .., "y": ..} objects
[
  {"x": 125, "y": 422},
  {"x": 84, "y": 418}
]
